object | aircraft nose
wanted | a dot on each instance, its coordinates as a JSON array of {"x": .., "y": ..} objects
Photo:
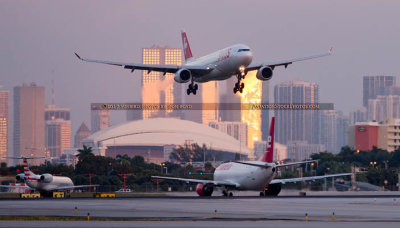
[{"x": 249, "y": 57}]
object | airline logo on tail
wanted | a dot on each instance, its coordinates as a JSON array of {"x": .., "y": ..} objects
[
  {"x": 186, "y": 47},
  {"x": 269, "y": 151},
  {"x": 29, "y": 175}
]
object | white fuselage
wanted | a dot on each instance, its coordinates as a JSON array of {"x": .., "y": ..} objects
[
  {"x": 225, "y": 62},
  {"x": 247, "y": 177},
  {"x": 35, "y": 182}
]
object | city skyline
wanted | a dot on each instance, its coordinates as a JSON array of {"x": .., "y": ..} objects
[{"x": 35, "y": 41}]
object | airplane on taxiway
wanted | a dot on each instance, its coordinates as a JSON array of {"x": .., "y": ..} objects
[
  {"x": 219, "y": 65},
  {"x": 43, "y": 183},
  {"x": 249, "y": 175}
]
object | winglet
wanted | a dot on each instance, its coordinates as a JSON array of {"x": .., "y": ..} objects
[
  {"x": 77, "y": 56},
  {"x": 331, "y": 50}
]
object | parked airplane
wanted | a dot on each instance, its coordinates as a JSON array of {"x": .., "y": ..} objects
[
  {"x": 249, "y": 175},
  {"x": 220, "y": 65},
  {"x": 45, "y": 182}
]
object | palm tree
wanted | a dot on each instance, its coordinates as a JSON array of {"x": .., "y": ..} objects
[{"x": 85, "y": 152}]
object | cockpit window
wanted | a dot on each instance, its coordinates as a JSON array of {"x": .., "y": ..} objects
[{"x": 243, "y": 49}]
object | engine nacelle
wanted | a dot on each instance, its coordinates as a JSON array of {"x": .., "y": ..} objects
[
  {"x": 46, "y": 178},
  {"x": 204, "y": 189},
  {"x": 273, "y": 190},
  {"x": 265, "y": 73},
  {"x": 20, "y": 177},
  {"x": 182, "y": 75}
]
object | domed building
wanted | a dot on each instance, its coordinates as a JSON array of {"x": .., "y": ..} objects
[{"x": 155, "y": 138}]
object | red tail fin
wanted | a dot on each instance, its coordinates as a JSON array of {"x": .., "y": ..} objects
[
  {"x": 27, "y": 171},
  {"x": 269, "y": 150},
  {"x": 186, "y": 47}
]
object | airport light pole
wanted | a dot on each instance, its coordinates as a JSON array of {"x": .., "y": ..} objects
[
  {"x": 90, "y": 180},
  {"x": 124, "y": 176},
  {"x": 158, "y": 182}
]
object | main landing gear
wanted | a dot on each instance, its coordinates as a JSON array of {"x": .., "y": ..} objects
[
  {"x": 227, "y": 193},
  {"x": 192, "y": 89},
  {"x": 239, "y": 86}
]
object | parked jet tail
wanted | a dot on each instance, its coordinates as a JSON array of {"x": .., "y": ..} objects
[
  {"x": 269, "y": 150},
  {"x": 27, "y": 171},
  {"x": 186, "y": 47}
]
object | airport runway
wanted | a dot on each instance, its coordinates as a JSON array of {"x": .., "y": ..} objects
[{"x": 199, "y": 212}]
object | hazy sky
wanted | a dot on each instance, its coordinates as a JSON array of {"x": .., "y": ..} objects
[{"x": 38, "y": 39}]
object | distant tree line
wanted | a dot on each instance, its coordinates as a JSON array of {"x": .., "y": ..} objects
[{"x": 381, "y": 167}]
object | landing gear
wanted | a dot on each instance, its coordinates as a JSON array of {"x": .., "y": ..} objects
[
  {"x": 239, "y": 86},
  {"x": 262, "y": 194},
  {"x": 227, "y": 193},
  {"x": 192, "y": 89}
]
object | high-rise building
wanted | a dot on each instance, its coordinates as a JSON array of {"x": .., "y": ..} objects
[
  {"x": 364, "y": 135},
  {"x": 51, "y": 112},
  {"x": 158, "y": 87},
  {"x": 297, "y": 125},
  {"x": 280, "y": 151},
  {"x": 376, "y": 85},
  {"x": 100, "y": 119},
  {"x": 228, "y": 101},
  {"x": 328, "y": 129},
  {"x": 360, "y": 115},
  {"x": 301, "y": 150},
  {"x": 210, "y": 97},
  {"x": 385, "y": 135},
  {"x": 237, "y": 130},
  {"x": 252, "y": 94},
  {"x": 384, "y": 107},
  {"x": 29, "y": 122},
  {"x": 265, "y": 112},
  {"x": 58, "y": 136},
  {"x": 57, "y": 130},
  {"x": 342, "y": 129},
  {"x": 82, "y": 133},
  {"x": 3, "y": 125}
]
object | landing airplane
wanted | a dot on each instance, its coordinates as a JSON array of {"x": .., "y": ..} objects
[
  {"x": 249, "y": 175},
  {"x": 220, "y": 65},
  {"x": 43, "y": 183}
]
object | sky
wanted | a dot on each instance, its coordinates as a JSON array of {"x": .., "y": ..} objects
[{"x": 38, "y": 40}]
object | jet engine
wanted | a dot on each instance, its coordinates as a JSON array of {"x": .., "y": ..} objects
[
  {"x": 204, "y": 189},
  {"x": 20, "y": 177},
  {"x": 273, "y": 190},
  {"x": 46, "y": 178},
  {"x": 265, "y": 73},
  {"x": 182, "y": 75}
]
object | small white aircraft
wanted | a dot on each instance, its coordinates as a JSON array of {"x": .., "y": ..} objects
[
  {"x": 219, "y": 65},
  {"x": 249, "y": 175},
  {"x": 43, "y": 183}
]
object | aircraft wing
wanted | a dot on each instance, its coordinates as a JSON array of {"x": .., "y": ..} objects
[
  {"x": 72, "y": 187},
  {"x": 286, "y": 62},
  {"x": 217, "y": 183},
  {"x": 10, "y": 186},
  {"x": 295, "y": 163},
  {"x": 294, "y": 180},
  {"x": 151, "y": 67},
  {"x": 261, "y": 165}
]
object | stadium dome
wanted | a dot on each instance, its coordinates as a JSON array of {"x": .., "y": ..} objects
[{"x": 138, "y": 137}]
